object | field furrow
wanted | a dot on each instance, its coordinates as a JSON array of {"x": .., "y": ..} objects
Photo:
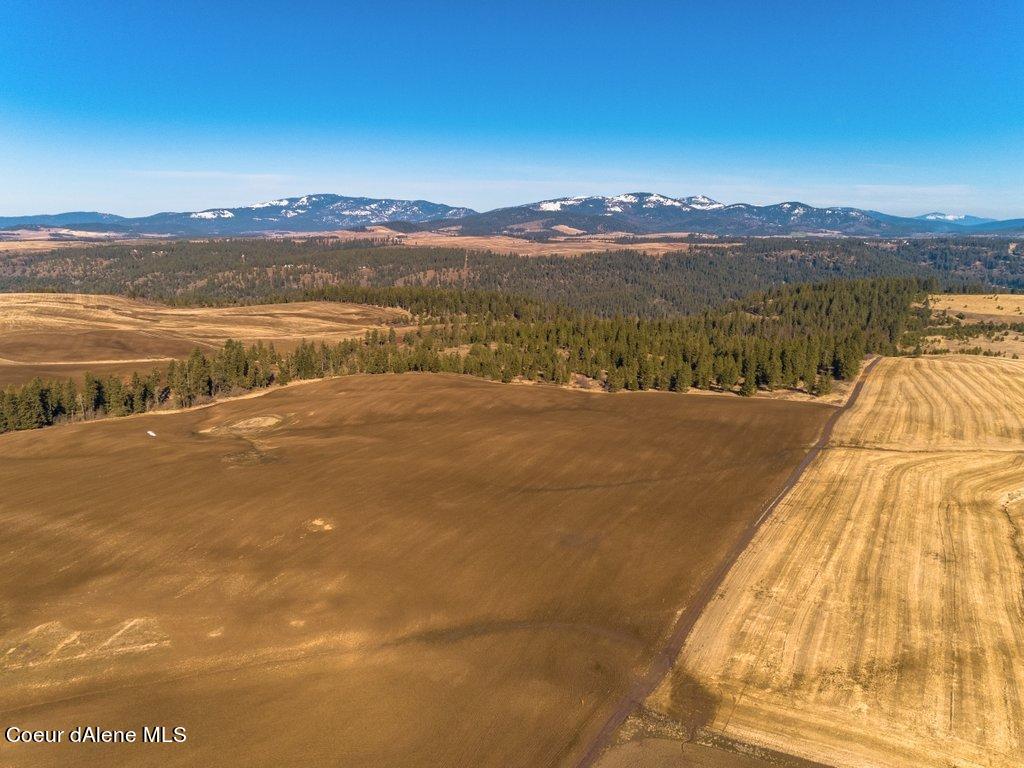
[
  {"x": 878, "y": 617},
  {"x": 415, "y": 570}
]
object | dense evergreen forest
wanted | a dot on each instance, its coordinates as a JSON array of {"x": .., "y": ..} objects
[
  {"x": 623, "y": 282},
  {"x": 795, "y": 336}
]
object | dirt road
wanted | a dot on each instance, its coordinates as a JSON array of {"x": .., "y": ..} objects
[{"x": 666, "y": 658}]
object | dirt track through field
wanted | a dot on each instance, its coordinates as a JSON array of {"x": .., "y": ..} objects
[
  {"x": 666, "y": 657},
  {"x": 877, "y": 618}
]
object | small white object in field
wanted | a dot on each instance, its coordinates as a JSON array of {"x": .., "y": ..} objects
[{"x": 151, "y": 433}]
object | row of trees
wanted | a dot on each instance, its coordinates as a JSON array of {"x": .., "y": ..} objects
[
  {"x": 41, "y": 403},
  {"x": 801, "y": 336}
]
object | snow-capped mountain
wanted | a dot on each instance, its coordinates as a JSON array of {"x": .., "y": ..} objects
[
  {"x": 631, "y": 212},
  {"x": 954, "y": 218},
  {"x": 633, "y": 203},
  {"x": 649, "y": 213},
  {"x": 634, "y": 212},
  {"x": 309, "y": 213}
]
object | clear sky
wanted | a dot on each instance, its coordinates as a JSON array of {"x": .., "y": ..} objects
[{"x": 140, "y": 107}]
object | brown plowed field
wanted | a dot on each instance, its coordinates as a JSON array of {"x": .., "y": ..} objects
[
  {"x": 877, "y": 619},
  {"x": 415, "y": 570},
  {"x": 64, "y": 335}
]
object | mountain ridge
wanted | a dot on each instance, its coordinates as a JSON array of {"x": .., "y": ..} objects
[
  {"x": 305, "y": 213},
  {"x": 641, "y": 213},
  {"x": 651, "y": 213}
]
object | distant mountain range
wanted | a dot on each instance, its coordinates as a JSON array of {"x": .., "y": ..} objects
[
  {"x": 641, "y": 213},
  {"x": 646, "y": 213},
  {"x": 309, "y": 213}
]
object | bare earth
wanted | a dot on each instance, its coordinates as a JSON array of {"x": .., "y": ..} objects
[
  {"x": 61, "y": 335},
  {"x": 413, "y": 570},
  {"x": 877, "y": 618}
]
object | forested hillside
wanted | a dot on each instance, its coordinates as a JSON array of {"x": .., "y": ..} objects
[
  {"x": 626, "y": 282},
  {"x": 801, "y": 336}
]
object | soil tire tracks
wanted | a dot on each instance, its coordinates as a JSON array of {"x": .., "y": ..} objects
[{"x": 665, "y": 659}]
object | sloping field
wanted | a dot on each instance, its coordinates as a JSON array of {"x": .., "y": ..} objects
[
  {"x": 976, "y": 307},
  {"x": 972, "y": 309},
  {"x": 415, "y": 570},
  {"x": 877, "y": 619},
  {"x": 49, "y": 334},
  {"x": 961, "y": 403}
]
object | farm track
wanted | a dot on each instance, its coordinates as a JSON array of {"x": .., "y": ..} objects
[
  {"x": 666, "y": 658},
  {"x": 878, "y": 616}
]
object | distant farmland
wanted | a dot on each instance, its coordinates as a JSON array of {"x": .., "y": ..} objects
[
  {"x": 64, "y": 335},
  {"x": 419, "y": 570}
]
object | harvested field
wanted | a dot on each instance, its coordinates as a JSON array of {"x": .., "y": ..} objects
[
  {"x": 974, "y": 308},
  {"x": 392, "y": 570},
  {"x": 61, "y": 335},
  {"x": 959, "y": 403},
  {"x": 21, "y": 241},
  {"x": 995, "y": 307},
  {"x": 568, "y": 244},
  {"x": 876, "y": 619},
  {"x": 1005, "y": 344}
]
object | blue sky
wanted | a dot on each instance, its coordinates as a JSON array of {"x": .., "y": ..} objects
[{"x": 139, "y": 107}]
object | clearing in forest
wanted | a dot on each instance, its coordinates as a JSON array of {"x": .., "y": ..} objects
[
  {"x": 978, "y": 307},
  {"x": 964, "y": 323}
]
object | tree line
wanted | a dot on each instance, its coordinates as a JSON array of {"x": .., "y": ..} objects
[
  {"x": 628, "y": 283},
  {"x": 802, "y": 336}
]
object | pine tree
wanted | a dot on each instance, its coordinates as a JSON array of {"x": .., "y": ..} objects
[
  {"x": 824, "y": 385},
  {"x": 92, "y": 395},
  {"x": 681, "y": 379},
  {"x": 749, "y": 385},
  {"x": 31, "y": 408}
]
